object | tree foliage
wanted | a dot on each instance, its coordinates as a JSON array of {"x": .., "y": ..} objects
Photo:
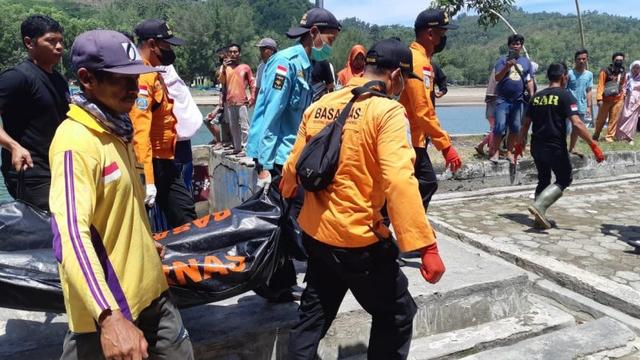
[
  {"x": 485, "y": 8},
  {"x": 470, "y": 54}
]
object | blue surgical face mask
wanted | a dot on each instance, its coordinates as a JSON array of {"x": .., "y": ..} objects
[{"x": 323, "y": 53}]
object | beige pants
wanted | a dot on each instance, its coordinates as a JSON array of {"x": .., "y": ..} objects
[{"x": 612, "y": 111}]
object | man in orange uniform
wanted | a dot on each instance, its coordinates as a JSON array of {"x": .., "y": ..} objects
[
  {"x": 343, "y": 230},
  {"x": 430, "y": 27},
  {"x": 154, "y": 127}
]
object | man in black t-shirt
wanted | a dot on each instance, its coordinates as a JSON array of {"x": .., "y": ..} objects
[
  {"x": 322, "y": 78},
  {"x": 548, "y": 111},
  {"x": 34, "y": 99}
]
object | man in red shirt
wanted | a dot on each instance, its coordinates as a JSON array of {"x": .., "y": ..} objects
[{"x": 237, "y": 77}]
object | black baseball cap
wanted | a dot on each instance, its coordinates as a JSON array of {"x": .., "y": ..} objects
[
  {"x": 315, "y": 17},
  {"x": 157, "y": 29},
  {"x": 107, "y": 50},
  {"x": 392, "y": 54},
  {"x": 434, "y": 18}
]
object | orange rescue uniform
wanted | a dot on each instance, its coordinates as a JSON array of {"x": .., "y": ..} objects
[
  {"x": 154, "y": 123},
  {"x": 416, "y": 98},
  {"x": 376, "y": 163}
]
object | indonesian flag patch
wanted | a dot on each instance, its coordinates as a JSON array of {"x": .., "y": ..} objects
[
  {"x": 281, "y": 74},
  {"x": 143, "y": 90},
  {"x": 111, "y": 173},
  {"x": 426, "y": 76},
  {"x": 574, "y": 107}
]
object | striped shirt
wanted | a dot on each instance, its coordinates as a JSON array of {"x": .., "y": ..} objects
[{"x": 102, "y": 238}]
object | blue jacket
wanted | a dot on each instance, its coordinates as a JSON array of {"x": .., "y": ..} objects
[{"x": 284, "y": 95}]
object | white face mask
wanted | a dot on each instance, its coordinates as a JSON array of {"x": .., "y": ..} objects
[{"x": 397, "y": 96}]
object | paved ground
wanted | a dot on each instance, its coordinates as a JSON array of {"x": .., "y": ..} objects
[{"x": 592, "y": 226}]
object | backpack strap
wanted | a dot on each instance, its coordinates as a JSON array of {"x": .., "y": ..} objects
[{"x": 368, "y": 88}]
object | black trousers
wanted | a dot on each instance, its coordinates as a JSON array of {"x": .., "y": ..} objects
[
  {"x": 36, "y": 190},
  {"x": 374, "y": 277},
  {"x": 427, "y": 181},
  {"x": 173, "y": 198},
  {"x": 550, "y": 159}
]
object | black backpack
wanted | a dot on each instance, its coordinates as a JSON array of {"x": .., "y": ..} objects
[{"x": 319, "y": 159}]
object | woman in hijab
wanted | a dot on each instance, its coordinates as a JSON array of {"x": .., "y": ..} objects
[
  {"x": 629, "y": 116},
  {"x": 355, "y": 65}
]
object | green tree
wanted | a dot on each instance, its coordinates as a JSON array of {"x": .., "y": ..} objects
[{"x": 485, "y": 8}]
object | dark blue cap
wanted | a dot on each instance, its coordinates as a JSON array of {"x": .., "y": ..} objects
[
  {"x": 157, "y": 29},
  {"x": 392, "y": 54},
  {"x": 319, "y": 17},
  {"x": 107, "y": 50}
]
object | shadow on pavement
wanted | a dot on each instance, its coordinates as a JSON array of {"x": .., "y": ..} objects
[{"x": 630, "y": 234}]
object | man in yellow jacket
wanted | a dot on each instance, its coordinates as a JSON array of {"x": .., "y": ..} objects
[
  {"x": 115, "y": 293},
  {"x": 349, "y": 246},
  {"x": 430, "y": 27},
  {"x": 155, "y": 127}
]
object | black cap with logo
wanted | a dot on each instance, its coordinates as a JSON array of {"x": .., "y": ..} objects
[
  {"x": 392, "y": 54},
  {"x": 315, "y": 17},
  {"x": 434, "y": 18},
  {"x": 157, "y": 29}
]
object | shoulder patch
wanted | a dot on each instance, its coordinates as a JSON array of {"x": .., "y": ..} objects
[
  {"x": 142, "y": 103},
  {"x": 281, "y": 73}
]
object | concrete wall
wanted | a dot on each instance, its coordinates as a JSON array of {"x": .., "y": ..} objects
[{"x": 232, "y": 182}]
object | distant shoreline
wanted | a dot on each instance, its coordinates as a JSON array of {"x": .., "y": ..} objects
[{"x": 457, "y": 96}]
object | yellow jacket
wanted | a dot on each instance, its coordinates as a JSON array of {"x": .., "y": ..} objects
[
  {"x": 417, "y": 100},
  {"x": 154, "y": 123},
  {"x": 102, "y": 238},
  {"x": 376, "y": 163}
]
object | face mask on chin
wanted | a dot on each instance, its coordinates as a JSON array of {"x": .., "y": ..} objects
[
  {"x": 322, "y": 53},
  {"x": 166, "y": 57},
  {"x": 396, "y": 95},
  {"x": 441, "y": 45}
]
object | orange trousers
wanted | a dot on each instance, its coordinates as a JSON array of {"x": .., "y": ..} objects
[{"x": 612, "y": 111}]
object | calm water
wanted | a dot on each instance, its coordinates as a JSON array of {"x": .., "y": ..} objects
[{"x": 454, "y": 119}]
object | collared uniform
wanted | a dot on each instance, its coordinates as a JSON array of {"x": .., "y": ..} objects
[
  {"x": 376, "y": 164},
  {"x": 153, "y": 122},
  {"x": 102, "y": 238},
  {"x": 154, "y": 141},
  {"x": 424, "y": 122},
  {"x": 285, "y": 93}
]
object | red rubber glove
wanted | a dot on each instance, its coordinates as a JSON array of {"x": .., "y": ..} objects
[
  {"x": 517, "y": 152},
  {"x": 451, "y": 159},
  {"x": 432, "y": 267},
  {"x": 597, "y": 152}
]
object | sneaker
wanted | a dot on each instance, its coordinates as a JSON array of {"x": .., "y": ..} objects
[
  {"x": 495, "y": 157},
  {"x": 577, "y": 153},
  {"x": 246, "y": 161}
]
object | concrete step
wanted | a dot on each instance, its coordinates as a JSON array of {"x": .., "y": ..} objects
[
  {"x": 476, "y": 289},
  {"x": 603, "y": 338},
  {"x": 541, "y": 318}
]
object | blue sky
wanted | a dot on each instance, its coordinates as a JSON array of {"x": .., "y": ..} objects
[{"x": 387, "y": 12}]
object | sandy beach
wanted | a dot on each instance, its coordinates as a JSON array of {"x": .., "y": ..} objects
[{"x": 457, "y": 96}]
